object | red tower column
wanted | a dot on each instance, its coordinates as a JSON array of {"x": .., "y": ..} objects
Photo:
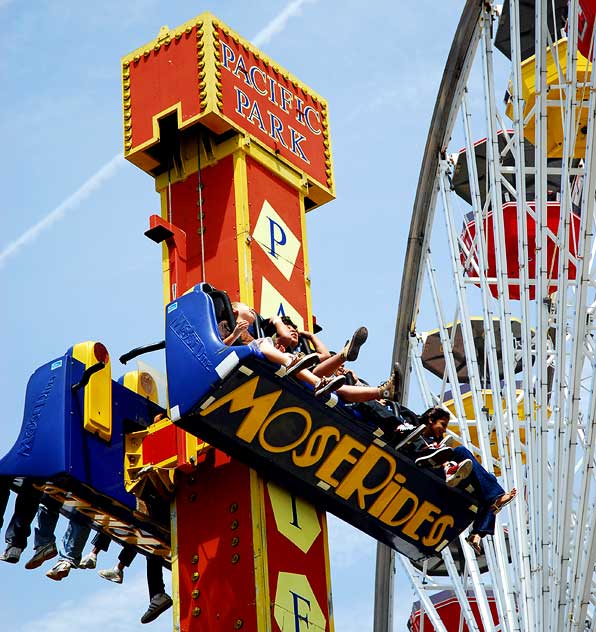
[{"x": 239, "y": 151}]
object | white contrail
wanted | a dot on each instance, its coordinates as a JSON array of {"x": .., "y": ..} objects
[
  {"x": 279, "y": 22},
  {"x": 264, "y": 36},
  {"x": 71, "y": 202}
]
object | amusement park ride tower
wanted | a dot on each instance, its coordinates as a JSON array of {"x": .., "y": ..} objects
[{"x": 239, "y": 150}]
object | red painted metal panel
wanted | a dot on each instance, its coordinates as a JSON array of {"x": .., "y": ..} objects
[
  {"x": 285, "y": 556},
  {"x": 277, "y": 112},
  {"x": 215, "y": 541},
  {"x": 266, "y": 187},
  {"x": 160, "y": 445},
  {"x": 161, "y": 79},
  {"x": 586, "y": 17},
  {"x": 449, "y": 611},
  {"x": 220, "y": 238}
]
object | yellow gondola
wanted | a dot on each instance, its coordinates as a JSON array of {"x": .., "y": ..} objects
[
  {"x": 556, "y": 99},
  {"x": 489, "y": 403}
]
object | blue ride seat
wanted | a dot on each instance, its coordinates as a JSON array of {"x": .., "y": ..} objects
[
  {"x": 233, "y": 398},
  {"x": 73, "y": 448}
]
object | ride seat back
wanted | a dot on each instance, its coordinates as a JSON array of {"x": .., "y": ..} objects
[{"x": 225, "y": 312}]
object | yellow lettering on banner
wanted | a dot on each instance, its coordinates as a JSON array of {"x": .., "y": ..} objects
[
  {"x": 285, "y": 411},
  {"x": 389, "y": 516},
  {"x": 386, "y": 495},
  {"x": 354, "y": 481},
  {"x": 339, "y": 454},
  {"x": 315, "y": 446},
  {"x": 244, "y": 397},
  {"x": 437, "y": 532},
  {"x": 424, "y": 514}
]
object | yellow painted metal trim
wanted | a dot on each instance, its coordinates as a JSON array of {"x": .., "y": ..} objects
[
  {"x": 175, "y": 564},
  {"x": 208, "y": 21},
  {"x": 325, "y": 536},
  {"x": 165, "y": 35},
  {"x": 126, "y": 109},
  {"x": 97, "y": 395},
  {"x": 303, "y": 239},
  {"x": 165, "y": 259},
  {"x": 259, "y": 153},
  {"x": 245, "y": 278},
  {"x": 210, "y": 67},
  {"x": 190, "y": 161},
  {"x": 328, "y": 152},
  {"x": 276, "y": 164},
  {"x": 210, "y": 95},
  {"x": 259, "y": 545},
  {"x": 130, "y": 152}
]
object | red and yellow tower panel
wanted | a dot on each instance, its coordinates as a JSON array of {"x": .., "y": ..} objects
[{"x": 240, "y": 151}]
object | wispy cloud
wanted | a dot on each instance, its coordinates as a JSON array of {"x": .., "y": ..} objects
[
  {"x": 114, "y": 608},
  {"x": 278, "y": 23},
  {"x": 70, "y": 203},
  {"x": 264, "y": 36}
]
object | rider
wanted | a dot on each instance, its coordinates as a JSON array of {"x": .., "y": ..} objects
[{"x": 487, "y": 489}]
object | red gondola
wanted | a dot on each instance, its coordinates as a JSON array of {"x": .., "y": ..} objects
[
  {"x": 469, "y": 254},
  {"x": 585, "y": 27},
  {"x": 449, "y": 610}
]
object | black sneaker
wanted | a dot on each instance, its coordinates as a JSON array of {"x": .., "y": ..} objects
[
  {"x": 328, "y": 384},
  {"x": 352, "y": 346},
  {"x": 158, "y": 604},
  {"x": 435, "y": 458}
]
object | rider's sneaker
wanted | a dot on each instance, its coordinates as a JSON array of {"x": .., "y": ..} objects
[
  {"x": 60, "y": 570},
  {"x": 352, "y": 346},
  {"x": 41, "y": 555},
  {"x": 435, "y": 457},
  {"x": 388, "y": 389},
  {"x": 89, "y": 561},
  {"x": 115, "y": 575},
  {"x": 328, "y": 384},
  {"x": 158, "y": 604},
  {"x": 458, "y": 472},
  {"x": 12, "y": 555},
  {"x": 301, "y": 361}
]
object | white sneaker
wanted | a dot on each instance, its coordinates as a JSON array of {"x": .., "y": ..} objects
[
  {"x": 60, "y": 570},
  {"x": 458, "y": 472},
  {"x": 112, "y": 575},
  {"x": 89, "y": 561}
]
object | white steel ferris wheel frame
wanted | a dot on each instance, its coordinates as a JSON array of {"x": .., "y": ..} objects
[{"x": 544, "y": 580}]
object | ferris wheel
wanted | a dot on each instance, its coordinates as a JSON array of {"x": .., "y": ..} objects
[{"x": 496, "y": 315}]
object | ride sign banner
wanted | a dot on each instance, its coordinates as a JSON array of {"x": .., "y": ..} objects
[{"x": 321, "y": 453}]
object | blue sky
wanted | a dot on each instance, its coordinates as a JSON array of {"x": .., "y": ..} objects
[{"x": 74, "y": 264}]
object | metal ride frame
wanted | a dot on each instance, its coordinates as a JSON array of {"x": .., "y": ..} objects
[{"x": 545, "y": 437}]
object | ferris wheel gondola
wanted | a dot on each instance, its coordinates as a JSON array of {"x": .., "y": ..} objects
[{"x": 526, "y": 403}]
